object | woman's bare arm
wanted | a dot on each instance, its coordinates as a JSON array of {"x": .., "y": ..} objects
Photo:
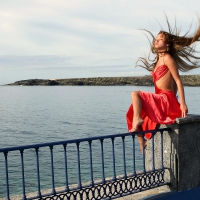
[{"x": 169, "y": 61}]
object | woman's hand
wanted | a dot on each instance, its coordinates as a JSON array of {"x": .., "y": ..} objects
[{"x": 184, "y": 109}]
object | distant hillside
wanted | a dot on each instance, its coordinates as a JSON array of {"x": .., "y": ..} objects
[{"x": 188, "y": 80}]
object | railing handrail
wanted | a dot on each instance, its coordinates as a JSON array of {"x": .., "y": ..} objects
[{"x": 7, "y": 149}]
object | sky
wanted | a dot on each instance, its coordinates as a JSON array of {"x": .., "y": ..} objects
[{"x": 48, "y": 39}]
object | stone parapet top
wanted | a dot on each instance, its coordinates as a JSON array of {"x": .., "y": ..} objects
[{"x": 189, "y": 118}]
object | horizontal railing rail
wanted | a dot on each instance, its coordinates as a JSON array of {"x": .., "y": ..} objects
[{"x": 101, "y": 167}]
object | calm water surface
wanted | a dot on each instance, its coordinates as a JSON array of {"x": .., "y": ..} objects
[{"x": 36, "y": 114}]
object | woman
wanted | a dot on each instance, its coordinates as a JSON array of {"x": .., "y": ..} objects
[{"x": 173, "y": 53}]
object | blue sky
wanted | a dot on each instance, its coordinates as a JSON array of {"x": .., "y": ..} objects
[{"x": 82, "y": 38}]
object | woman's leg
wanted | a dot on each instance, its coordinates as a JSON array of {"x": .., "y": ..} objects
[
  {"x": 137, "y": 106},
  {"x": 142, "y": 142},
  {"x": 137, "y": 120}
]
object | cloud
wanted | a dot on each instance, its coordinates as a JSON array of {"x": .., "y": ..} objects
[{"x": 29, "y": 62}]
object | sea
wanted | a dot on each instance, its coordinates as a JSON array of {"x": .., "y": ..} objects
[{"x": 40, "y": 114}]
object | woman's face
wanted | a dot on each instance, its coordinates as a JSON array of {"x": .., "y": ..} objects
[{"x": 159, "y": 42}]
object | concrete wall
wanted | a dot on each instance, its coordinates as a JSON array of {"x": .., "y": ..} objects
[{"x": 181, "y": 153}]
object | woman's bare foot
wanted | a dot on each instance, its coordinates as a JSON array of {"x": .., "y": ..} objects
[
  {"x": 143, "y": 147},
  {"x": 137, "y": 122}
]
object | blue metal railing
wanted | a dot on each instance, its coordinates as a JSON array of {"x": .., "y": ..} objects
[{"x": 126, "y": 181}]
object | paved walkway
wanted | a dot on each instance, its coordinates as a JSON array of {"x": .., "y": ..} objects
[{"x": 145, "y": 194}]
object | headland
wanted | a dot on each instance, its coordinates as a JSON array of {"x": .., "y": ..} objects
[{"x": 188, "y": 80}]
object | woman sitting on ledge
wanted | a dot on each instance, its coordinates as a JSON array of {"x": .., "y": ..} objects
[{"x": 173, "y": 53}]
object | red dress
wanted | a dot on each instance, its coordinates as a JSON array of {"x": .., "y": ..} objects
[{"x": 161, "y": 107}]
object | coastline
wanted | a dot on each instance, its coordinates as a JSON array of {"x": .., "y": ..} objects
[{"x": 188, "y": 80}]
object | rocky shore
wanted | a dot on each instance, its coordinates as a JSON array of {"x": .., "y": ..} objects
[{"x": 188, "y": 80}]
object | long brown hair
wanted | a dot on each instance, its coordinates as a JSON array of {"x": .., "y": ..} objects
[{"x": 181, "y": 48}]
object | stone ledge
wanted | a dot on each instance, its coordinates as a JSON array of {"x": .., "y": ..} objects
[{"x": 189, "y": 118}]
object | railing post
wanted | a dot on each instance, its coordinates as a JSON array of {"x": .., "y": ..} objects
[
  {"x": 102, "y": 161},
  {"x": 134, "y": 166},
  {"x": 22, "y": 171},
  {"x": 113, "y": 156},
  {"x": 79, "y": 165},
  {"x": 52, "y": 170},
  {"x": 66, "y": 169},
  {"x": 6, "y": 171},
  {"x": 91, "y": 165},
  {"x": 181, "y": 148},
  {"x": 38, "y": 171},
  {"x": 124, "y": 156}
]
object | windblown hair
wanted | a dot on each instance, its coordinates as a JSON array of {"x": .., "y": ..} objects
[{"x": 181, "y": 48}]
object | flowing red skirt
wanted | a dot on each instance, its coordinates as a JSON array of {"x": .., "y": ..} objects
[{"x": 161, "y": 108}]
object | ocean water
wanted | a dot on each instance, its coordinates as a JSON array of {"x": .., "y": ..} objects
[{"x": 38, "y": 114}]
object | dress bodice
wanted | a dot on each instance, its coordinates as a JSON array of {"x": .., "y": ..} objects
[{"x": 159, "y": 73}]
